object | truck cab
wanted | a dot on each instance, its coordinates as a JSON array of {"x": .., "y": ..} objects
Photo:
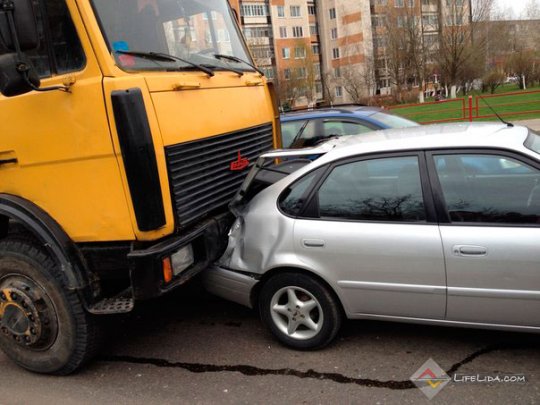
[{"x": 126, "y": 128}]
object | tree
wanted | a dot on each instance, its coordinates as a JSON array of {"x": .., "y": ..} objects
[
  {"x": 531, "y": 10},
  {"x": 493, "y": 79},
  {"x": 522, "y": 63},
  {"x": 359, "y": 81},
  {"x": 461, "y": 54}
]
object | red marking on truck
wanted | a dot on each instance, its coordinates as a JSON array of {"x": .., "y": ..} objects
[{"x": 240, "y": 164}]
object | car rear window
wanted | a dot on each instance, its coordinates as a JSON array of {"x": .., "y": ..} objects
[
  {"x": 393, "y": 121},
  {"x": 533, "y": 141}
]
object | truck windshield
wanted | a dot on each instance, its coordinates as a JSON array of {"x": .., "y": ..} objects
[{"x": 193, "y": 30}]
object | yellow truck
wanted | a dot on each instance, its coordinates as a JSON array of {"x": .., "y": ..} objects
[{"x": 126, "y": 126}]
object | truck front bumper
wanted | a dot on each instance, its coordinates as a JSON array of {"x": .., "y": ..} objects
[{"x": 208, "y": 241}]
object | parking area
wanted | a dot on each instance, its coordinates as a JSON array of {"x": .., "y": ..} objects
[{"x": 193, "y": 348}]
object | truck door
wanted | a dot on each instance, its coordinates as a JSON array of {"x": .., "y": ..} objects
[{"x": 61, "y": 140}]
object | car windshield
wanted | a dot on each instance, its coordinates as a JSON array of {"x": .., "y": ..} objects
[
  {"x": 533, "y": 141},
  {"x": 193, "y": 30},
  {"x": 393, "y": 121}
]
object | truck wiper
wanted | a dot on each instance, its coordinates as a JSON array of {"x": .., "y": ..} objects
[
  {"x": 158, "y": 56},
  {"x": 235, "y": 59},
  {"x": 228, "y": 67}
]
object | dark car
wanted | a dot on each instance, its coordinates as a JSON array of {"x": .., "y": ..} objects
[{"x": 307, "y": 128}]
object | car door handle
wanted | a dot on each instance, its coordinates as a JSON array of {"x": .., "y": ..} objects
[
  {"x": 469, "y": 250},
  {"x": 310, "y": 243}
]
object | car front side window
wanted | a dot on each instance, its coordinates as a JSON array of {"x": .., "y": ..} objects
[
  {"x": 383, "y": 189},
  {"x": 489, "y": 188}
]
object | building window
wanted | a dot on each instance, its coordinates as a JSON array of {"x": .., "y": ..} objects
[
  {"x": 317, "y": 70},
  {"x": 339, "y": 91},
  {"x": 301, "y": 72},
  {"x": 286, "y": 53},
  {"x": 287, "y": 73},
  {"x": 313, "y": 29},
  {"x": 311, "y": 9},
  {"x": 410, "y": 3},
  {"x": 261, "y": 52},
  {"x": 280, "y": 11},
  {"x": 399, "y": 3},
  {"x": 315, "y": 49},
  {"x": 337, "y": 72},
  {"x": 251, "y": 32},
  {"x": 268, "y": 72},
  {"x": 332, "y": 13},
  {"x": 378, "y": 21},
  {"x": 297, "y": 32},
  {"x": 283, "y": 32},
  {"x": 254, "y": 10},
  {"x": 299, "y": 52},
  {"x": 335, "y": 53},
  {"x": 333, "y": 33},
  {"x": 295, "y": 11}
]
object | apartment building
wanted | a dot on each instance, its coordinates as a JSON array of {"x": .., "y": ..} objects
[
  {"x": 401, "y": 28},
  {"x": 346, "y": 47},
  {"x": 314, "y": 50}
]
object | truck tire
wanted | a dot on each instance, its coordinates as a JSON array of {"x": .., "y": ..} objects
[{"x": 43, "y": 325}]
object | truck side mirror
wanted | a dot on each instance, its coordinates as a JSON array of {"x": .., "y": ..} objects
[
  {"x": 25, "y": 25},
  {"x": 17, "y": 75}
]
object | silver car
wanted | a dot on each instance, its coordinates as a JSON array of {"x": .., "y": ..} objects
[{"x": 436, "y": 225}]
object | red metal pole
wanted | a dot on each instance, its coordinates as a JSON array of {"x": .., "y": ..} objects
[
  {"x": 477, "y": 109},
  {"x": 470, "y": 109}
]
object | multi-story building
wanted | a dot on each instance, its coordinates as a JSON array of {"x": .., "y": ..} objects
[
  {"x": 314, "y": 50},
  {"x": 346, "y": 49},
  {"x": 408, "y": 34},
  {"x": 341, "y": 51}
]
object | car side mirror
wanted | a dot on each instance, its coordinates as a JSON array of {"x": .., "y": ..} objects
[
  {"x": 23, "y": 26},
  {"x": 17, "y": 75}
]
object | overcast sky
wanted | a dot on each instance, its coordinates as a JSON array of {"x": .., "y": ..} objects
[{"x": 517, "y": 6}]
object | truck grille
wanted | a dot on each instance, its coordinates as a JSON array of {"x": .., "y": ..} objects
[{"x": 200, "y": 171}]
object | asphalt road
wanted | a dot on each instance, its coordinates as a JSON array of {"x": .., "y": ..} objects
[{"x": 192, "y": 348}]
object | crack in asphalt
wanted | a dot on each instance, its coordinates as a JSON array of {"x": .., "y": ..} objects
[{"x": 257, "y": 371}]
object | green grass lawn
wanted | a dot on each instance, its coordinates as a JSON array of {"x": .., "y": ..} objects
[{"x": 506, "y": 106}]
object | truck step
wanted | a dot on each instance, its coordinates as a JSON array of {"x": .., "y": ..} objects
[{"x": 109, "y": 306}]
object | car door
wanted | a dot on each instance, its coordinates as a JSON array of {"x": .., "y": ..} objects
[
  {"x": 369, "y": 230},
  {"x": 490, "y": 207}
]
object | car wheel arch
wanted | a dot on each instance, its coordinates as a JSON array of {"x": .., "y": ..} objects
[{"x": 298, "y": 270}]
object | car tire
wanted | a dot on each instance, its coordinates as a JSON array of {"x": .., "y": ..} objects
[
  {"x": 43, "y": 325},
  {"x": 300, "y": 311}
]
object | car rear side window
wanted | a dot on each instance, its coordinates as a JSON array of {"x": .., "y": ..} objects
[
  {"x": 489, "y": 189},
  {"x": 384, "y": 189},
  {"x": 292, "y": 199}
]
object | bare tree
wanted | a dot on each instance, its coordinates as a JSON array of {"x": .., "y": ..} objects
[
  {"x": 531, "y": 10},
  {"x": 493, "y": 79},
  {"x": 403, "y": 50},
  {"x": 461, "y": 47},
  {"x": 328, "y": 84}
]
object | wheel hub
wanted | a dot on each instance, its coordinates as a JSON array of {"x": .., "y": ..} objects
[{"x": 27, "y": 316}]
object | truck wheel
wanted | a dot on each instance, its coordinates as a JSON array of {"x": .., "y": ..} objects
[
  {"x": 300, "y": 311},
  {"x": 43, "y": 325}
]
